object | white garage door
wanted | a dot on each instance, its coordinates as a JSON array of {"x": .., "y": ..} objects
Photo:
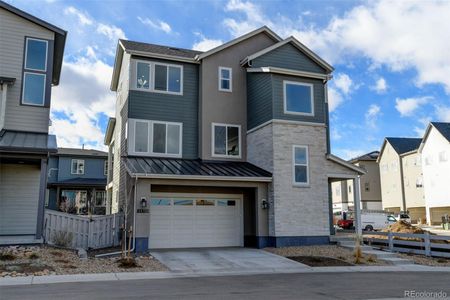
[
  {"x": 188, "y": 222},
  {"x": 19, "y": 197}
]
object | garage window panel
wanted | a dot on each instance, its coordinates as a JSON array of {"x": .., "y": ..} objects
[
  {"x": 183, "y": 202},
  {"x": 160, "y": 202},
  {"x": 204, "y": 202}
]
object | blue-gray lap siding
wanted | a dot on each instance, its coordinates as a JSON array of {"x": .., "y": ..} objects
[
  {"x": 172, "y": 108},
  {"x": 93, "y": 168},
  {"x": 287, "y": 57},
  {"x": 265, "y": 99}
]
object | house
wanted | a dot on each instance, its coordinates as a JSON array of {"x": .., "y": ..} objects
[
  {"x": 369, "y": 186},
  {"x": 401, "y": 177},
  {"x": 435, "y": 151},
  {"x": 31, "y": 55},
  {"x": 77, "y": 180},
  {"x": 228, "y": 147}
]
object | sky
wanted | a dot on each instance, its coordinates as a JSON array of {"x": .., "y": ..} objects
[{"x": 391, "y": 58}]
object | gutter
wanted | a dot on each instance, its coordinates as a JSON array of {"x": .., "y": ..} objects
[{"x": 200, "y": 177}]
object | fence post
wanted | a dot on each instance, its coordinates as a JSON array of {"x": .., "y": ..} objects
[
  {"x": 427, "y": 244},
  {"x": 391, "y": 241}
]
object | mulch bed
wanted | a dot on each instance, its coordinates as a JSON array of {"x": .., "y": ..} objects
[{"x": 319, "y": 261}]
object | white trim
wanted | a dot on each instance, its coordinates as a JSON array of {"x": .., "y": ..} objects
[
  {"x": 154, "y": 64},
  {"x": 26, "y": 54},
  {"x": 78, "y": 161},
  {"x": 289, "y": 72},
  {"x": 346, "y": 164},
  {"x": 238, "y": 40},
  {"x": 229, "y": 79},
  {"x": 279, "y": 121},
  {"x": 294, "y": 164},
  {"x": 105, "y": 168},
  {"x": 149, "y": 152},
  {"x": 226, "y": 140},
  {"x": 23, "y": 89},
  {"x": 135, "y": 79},
  {"x": 289, "y": 112},
  {"x": 341, "y": 176}
]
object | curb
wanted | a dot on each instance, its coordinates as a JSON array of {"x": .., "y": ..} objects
[{"x": 31, "y": 280}]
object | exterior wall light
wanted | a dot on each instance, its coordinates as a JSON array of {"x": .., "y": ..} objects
[
  {"x": 143, "y": 202},
  {"x": 264, "y": 204}
]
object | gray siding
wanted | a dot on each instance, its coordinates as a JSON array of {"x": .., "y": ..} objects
[
  {"x": 172, "y": 108},
  {"x": 278, "y": 101},
  {"x": 288, "y": 57},
  {"x": 93, "y": 168},
  {"x": 13, "y": 30},
  {"x": 259, "y": 99}
]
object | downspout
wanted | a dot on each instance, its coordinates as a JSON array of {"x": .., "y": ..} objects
[
  {"x": 327, "y": 116},
  {"x": 3, "y": 105}
]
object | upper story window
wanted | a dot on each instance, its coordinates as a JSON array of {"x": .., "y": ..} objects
[
  {"x": 105, "y": 168},
  {"x": 159, "y": 77},
  {"x": 298, "y": 98},
  {"x": 226, "y": 140},
  {"x": 77, "y": 166},
  {"x": 225, "y": 79},
  {"x": 155, "y": 138},
  {"x": 35, "y": 72},
  {"x": 443, "y": 156},
  {"x": 300, "y": 165}
]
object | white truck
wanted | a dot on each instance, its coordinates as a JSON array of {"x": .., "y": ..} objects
[{"x": 376, "y": 221}]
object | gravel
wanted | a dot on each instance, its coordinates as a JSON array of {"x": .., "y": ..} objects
[
  {"x": 331, "y": 251},
  {"x": 45, "y": 260},
  {"x": 427, "y": 261}
]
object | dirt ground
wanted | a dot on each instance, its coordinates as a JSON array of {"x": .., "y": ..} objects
[
  {"x": 330, "y": 251},
  {"x": 44, "y": 260},
  {"x": 427, "y": 261}
]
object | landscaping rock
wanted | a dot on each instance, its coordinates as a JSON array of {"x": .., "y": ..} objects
[{"x": 82, "y": 253}]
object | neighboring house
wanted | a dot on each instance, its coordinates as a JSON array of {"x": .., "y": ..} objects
[
  {"x": 401, "y": 177},
  {"x": 31, "y": 54},
  {"x": 369, "y": 186},
  {"x": 77, "y": 181},
  {"x": 435, "y": 150},
  {"x": 228, "y": 147}
]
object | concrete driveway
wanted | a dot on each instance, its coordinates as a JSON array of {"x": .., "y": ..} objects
[{"x": 240, "y": 260}]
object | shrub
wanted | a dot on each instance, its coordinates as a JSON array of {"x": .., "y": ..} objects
[
  {"x": 62, "y": 238},
  {"x": 371, "y": 258},
  {"x": 7, "y": 256},
  {"x": 127, "y": 262},
  {"x": 33, "y": 256}
]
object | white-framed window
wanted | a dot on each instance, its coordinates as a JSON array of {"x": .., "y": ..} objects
[
  {"x": 158, "y": 77},
  {"x": 226, "y": 140},
  {"x": 156, "y": 138},
  {"x": 34, "y": 72},
  {"x": 105, "y": 168},
  {"x": 300, "y": 166},
  {"x": 298, "y": 98},
  {"x": 419, "y": 182},
  {"x": 225, "y": 79},
  {"x": 443, "y": 156},
  {"x": 428, "y": 161},
  {"x": 77, "y": 166}
]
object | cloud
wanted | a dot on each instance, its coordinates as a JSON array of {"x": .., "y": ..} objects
[
  {"x": 443, "y": 113},
  {"x": 254, "y": 17},
  {"x": 112, "y": 32},
  {"x": 80, "y": 101},
  {"x": 372, "y": 115},
  {"x": 206, "y": 44},
  {"x": 335, "y": 134},
  {"x": 343, "y": 82},
  {"x": 423, "y": 125},
  {"x": 334, "y": 99},
  {"x": 380, "y": 86},
  {"x": 83, "y": 18},
  {"x": 157, "y": 24},
  {"x": 350, "y": 153},
  {"x": 406, "y": 107}
]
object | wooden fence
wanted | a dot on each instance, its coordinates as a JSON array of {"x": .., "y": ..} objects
[
  {"x": 425, "y": 244},
  {"x": 88, "y": 232}
]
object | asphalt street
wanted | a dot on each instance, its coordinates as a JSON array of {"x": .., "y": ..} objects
[{"x": 355, "y": 285}]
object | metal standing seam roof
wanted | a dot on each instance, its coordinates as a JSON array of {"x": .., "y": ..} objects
[
  {"x": 28, "y": 142},
  {"x": 404, "y": 145},
  {"x": 159, "y": 49},
  {"x": 443, "y": 128},
  {"x": 151, "y": 166}
]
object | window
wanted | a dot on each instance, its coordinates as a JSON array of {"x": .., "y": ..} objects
[
  {"x": 419, "y": 182},
  {"x": 443, "y": 156},
  {"x": 155, "y": 138},
  {"x": 183, "y": 202},
  {"x": 100, "y": 198},
  {"x": 168, "y": 78},
  {"x": 298, "y": 98},
  {"x": 77, "y": 166},
  {"x": 225, "y": 79},
  {"x": 160, "y": 202},
  {"x": 35, "y": 72},
  {"x": 226, "y": 140},
  {"x": 142, "y": 75},
  {"x": 300, "y": 165},
  {"x": 105, "y": 168},
  {"x": 226, "y": 203},
  {"x": 367, "y": 186}
]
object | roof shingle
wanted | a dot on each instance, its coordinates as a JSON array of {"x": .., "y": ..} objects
[
  {"x": 443, "y": 128},
  {"x": 159, "y": 49},
  {"x": 404, "y": 145}
]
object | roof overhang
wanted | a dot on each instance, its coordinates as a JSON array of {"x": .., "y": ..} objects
[
  {"x": 425, "y": 137},
  {"x": 27, "y": 142},
  {"x": 346, "y": 164},
  {"x": 296, "y": 43},
  {"x": 109, "y": 131},
  {"x": 263, "y": 29},
  {"x": 290, "y": 72},
  {"x": 60, "y": 38},
  {"x": 7, "y": 80},
  {"x": 193, "y": 177}
]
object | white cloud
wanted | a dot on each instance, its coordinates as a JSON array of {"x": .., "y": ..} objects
[
  {"x": 350, "y": 153},
  {"x": 380, "y": 86},
  {"x": 206, "y": 44},
  {"x": 335, "y": 134},
  {"x": 112, "y": 32},
  {"x": 157, "y": 24},
  {"x": 253, "y": 17},
  {"x": 83, "y": 18},
  {"x": 343, "y": 82},
  {"x": 334, "y": 99},
  {"x": 82, "y": 97},
  {"x": 406, "y": 107},
  {"x": 443, "y": 113},
  {"x": 423, "y": 125},
  {"x": 372, "y": 115}
]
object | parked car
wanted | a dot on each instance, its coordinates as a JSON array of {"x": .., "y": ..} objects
[
  {"x": 345, "y": 224},
  {"x": 404, "y": 217},
  {"x": 376, "y": 221}
]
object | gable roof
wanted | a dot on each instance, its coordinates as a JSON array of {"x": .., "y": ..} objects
[
  {"x": 297, "y": 44},
  {"x": 81, "y": 152},
  {"x": 263, "y": 29},
  {"x": 401, "y": 145},
  {"x": 109, "y": 131},
  {"x": 371, "y": 156},
  {"x": 345, "y": 164},
  {"x": 441, "y": 127},
  {"x": 158, "y": 49},
  {"x": 60, "y": 38}
]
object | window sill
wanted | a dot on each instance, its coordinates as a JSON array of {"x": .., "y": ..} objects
[
  {"x": 226, "y": 156},
  {"x": 286, "y": 112},
  {"x": 226, "y": 91},
  {"x": 301, "y": 185}
]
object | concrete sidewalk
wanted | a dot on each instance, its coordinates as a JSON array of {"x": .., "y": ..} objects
[{"x": 32, "y": 280}]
